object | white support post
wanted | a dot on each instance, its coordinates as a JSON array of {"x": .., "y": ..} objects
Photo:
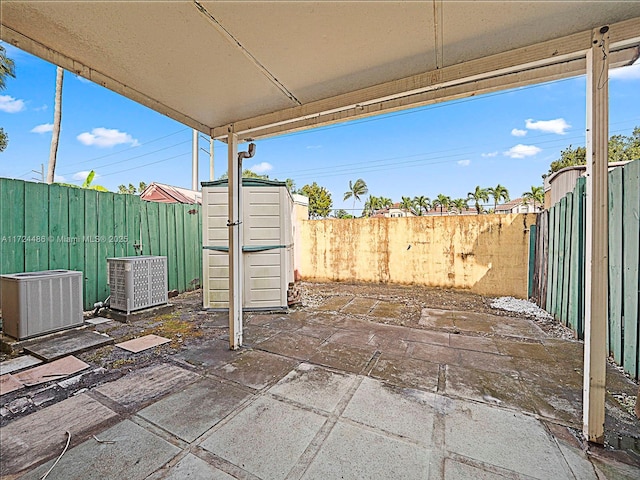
[
  {"x": 235, "y": 246},
  {"x": 597, "y": 237},
  {"x": 194, "y": 160},
  {"x": 211, "y": 170}
]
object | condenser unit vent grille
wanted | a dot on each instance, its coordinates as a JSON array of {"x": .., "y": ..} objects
[
  {"x": 137, "y": 282},
  {"x": 35, "y": 303}
]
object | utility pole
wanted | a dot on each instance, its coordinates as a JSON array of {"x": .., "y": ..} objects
[
  {"x": 210, "y": 152},
  {"x": 39, "y": 172}
]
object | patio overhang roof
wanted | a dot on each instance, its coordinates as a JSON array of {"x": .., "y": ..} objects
[{"x": 274, "y": 67}]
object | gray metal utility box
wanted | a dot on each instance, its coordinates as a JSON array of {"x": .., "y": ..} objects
[
  {"x": 35, "y": 303},
  {"x": 137, "y": 282}
]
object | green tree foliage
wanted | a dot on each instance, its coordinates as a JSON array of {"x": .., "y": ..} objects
[
  {"x": 246, "y": 173},
  {"x": 407, "y": 204},
  {"x": 371, "y": 205},
  {"x": 341, "y": 213},
  {"x": 4, "y": 140},
  {"x": 422, "y": 204},
  {"x": 477, "y": 196},
  {"x": 88, "y": 183},
  {"x": 320, "y": 202},
  {"x": 499, "y": 192},
  {"x": 536, "y": 194},
  {"x": 621, "y": 148},
  {"x": 441, "y": 201},
  {"x": 131, "y": 189},
  {"x": 459, "y": 205},
  {"x": 7, "y": 69}
]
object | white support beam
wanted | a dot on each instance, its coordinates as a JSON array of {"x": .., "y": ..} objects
[
  {"x": 497, "y": 70},
  {"x": 211, "y": 169},
  {"x": 235, "y": 245},
  {"x": 597, "y": 237},
  {"x": 195, "y": 150}
]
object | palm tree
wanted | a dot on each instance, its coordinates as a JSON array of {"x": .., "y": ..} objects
[
  {"x": 441, "y": 201},
  {"x": 370, "y": 206},
  {"x": 385, "y": 202},
  {"x": 356, "y": 190},
  {"x": 422, "y": 204},
  {"x": 57, "y": 118},
  {"x": 7, "y": 68},
  {"x": 498, "y": 193},
  {"x": 478, "y": 195},
  {"x": 535, "y": 195},
  {"x": 459, "y": 205},
  {"x": 407, "y": 204}
]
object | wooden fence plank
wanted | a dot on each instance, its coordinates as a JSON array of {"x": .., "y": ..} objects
[
  {"x": 133, "y": 204},
  {"x": 582, "y": 186},
  {"x": 172, "y": 248},
  {"x": 90, "y": 241},
  {"x": 154, "y": 229},
  {"x": 144, "y": 229},
  {"x": 57, "y": 242},
  {"x": 566, "y": 268},
  {"x": 551, "y": 260},
  {"x": 561, "y": 222},
  {"x": 106, "y": 244},
  {"x": 36, "y": 226},
  {"x": 76, "y": 231},
  {"x": 575, "y": 283},
  {"x": 12, "y": 226},
  {"x": 182, "y": 281},
  {"x": 163, "y": 233},
  {"x": 119, "y": 225},
  {"x": 532, "y": 259},
  {"x": 615, "y": 264},
  {"x": 544, "y": 261},
  {"x": 631, "y": 242}
]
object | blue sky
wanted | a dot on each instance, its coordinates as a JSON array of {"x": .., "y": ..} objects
[{"x": 507, "y": 137}]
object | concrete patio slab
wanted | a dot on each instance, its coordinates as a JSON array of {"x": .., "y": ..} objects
[
  {"x": 8, "y": 383},
  {"x": 143, "y": 343},
  {"x": 434, "y": 353},
  {"x": 335, "y": 303},
  {"x": 212, "y": 353},
  {"x": 194, "y": 468},
  {"x": 291, "y": 345},
  {"x": 274, "y": 435},
  {"x": 351, "y": 337},
  {"x": 404, "y": 412},
  {"x": 67, "y": 343},
  {"x": 41, "y": 435},
  {"x": 393, "y": 310},
  {"x": 314, "y": 387},
  {"x": 407, "y": 372},
  {"x": 256, "y": 369},
  {"x": 55, "y": 370},
  {"x": 478, "y": 344},
  {"x": 354, "y": 452},
  {"x": 316, "y": 330},
  {"x": 350, "y": 358},
  {"x": 504, "y": 438},
  {"x": 531, "y": 350},
  {"x": 127, "y": 451},
  {"x": 454, "y": 470},
  {"x": 427, "y": 336},
  {"x": 146, "y": 384},
  {"x": 359, "y": 306},
  {"x": 18, "y": 363},
  {"x": 191, "y": 412},
  {"x": 98, "y": 320}
]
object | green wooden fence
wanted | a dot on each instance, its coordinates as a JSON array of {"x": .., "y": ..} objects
[
  {"x": 558, "y": 278},
  {"x": 46, "y": 227}
]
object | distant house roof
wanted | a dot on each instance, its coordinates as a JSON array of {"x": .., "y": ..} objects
[
  {"x": 160, "y": 192},
  {"x": 516, "y": 202}
]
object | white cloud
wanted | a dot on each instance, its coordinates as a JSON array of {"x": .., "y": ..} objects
[
  {"x": 106, "y": 137},
  {"x": 516, "y": 132},
  {"x": 59, "y": 178},
  {"x": 83, "y": 80},
  {"x": 522, "y": 151},
  {"x": 9, "y": 104},
  {"x": 82, "y": 175},
  {"x": 464, "y": 163},
  {"x": 632, "y": 72},
  {"x": 558, "y": 125},
  {"x": 489, "y": 155},
  {"x": 261, "y": 167},
  {"x": 41, "y": 109},
  {"x": 313, "y": 147},
  {"x": 44, "y": 128}
]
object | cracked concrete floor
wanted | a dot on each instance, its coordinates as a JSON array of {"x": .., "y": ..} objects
[{"x": 335, "y": 390}]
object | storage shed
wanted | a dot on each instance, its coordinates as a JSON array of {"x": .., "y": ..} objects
[{"x": 266, "y": 239}]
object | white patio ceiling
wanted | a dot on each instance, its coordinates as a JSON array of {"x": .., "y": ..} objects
[{"x": 270, "y": 67}]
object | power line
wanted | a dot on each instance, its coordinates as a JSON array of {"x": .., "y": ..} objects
[{"x": 145, "y": 165}]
